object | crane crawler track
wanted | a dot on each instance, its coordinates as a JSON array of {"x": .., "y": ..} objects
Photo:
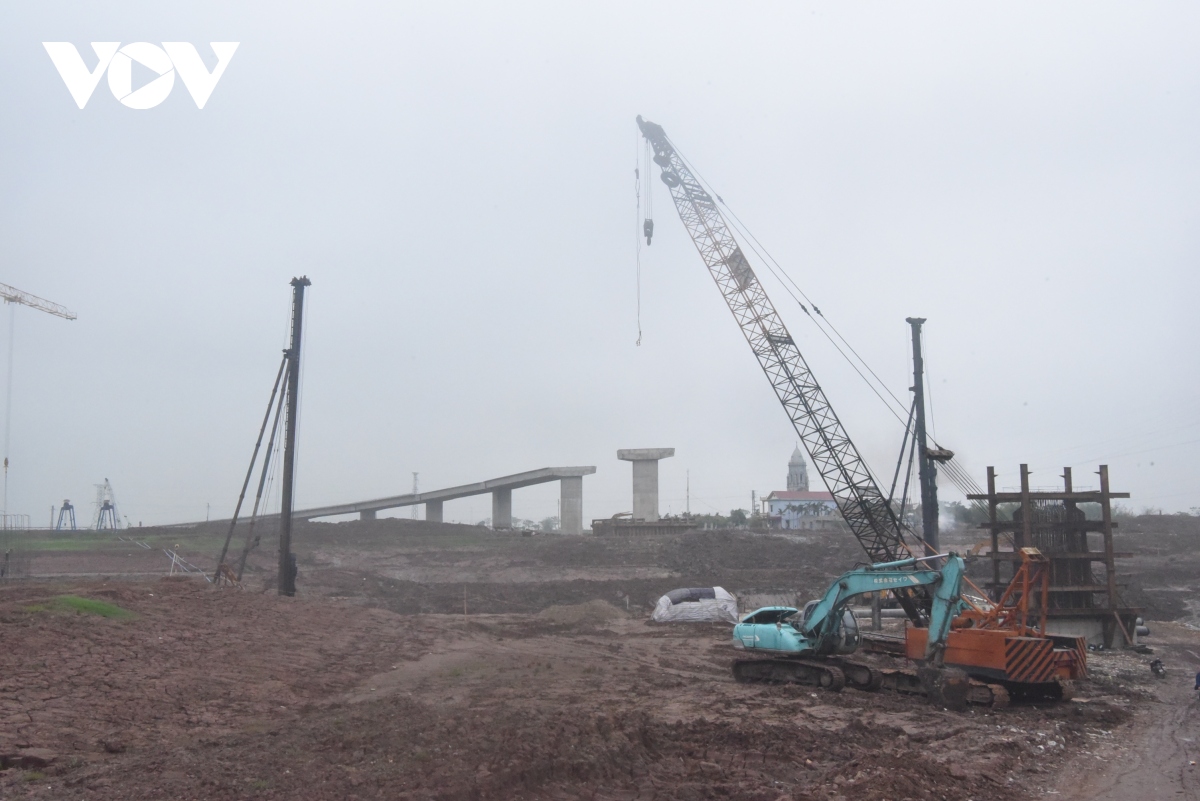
[{"x": 978, "y": 693}]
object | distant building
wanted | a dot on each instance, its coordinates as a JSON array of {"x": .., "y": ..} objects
[
  {"x": 797, "y": 480},
  {"x": 797, "y": 507}
]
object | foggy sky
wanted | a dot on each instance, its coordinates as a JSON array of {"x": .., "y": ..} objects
[{"x": 457, "y": 182}]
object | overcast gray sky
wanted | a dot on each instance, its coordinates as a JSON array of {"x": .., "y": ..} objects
[{"x": 457, "y": 182}]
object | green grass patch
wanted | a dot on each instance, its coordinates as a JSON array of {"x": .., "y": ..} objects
[
  {"x": 59, "y": 544},
  {"x": 107, "y": 541},
  {"x": 74, "y": 604}
]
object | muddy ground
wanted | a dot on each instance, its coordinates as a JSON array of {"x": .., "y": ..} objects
[{"x": 373, "y": 683}]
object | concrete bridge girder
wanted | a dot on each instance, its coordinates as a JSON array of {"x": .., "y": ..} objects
[{"x": 571, "y": 495}]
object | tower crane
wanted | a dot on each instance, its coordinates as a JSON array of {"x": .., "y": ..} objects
[
  {"x": 15, "y": 297},
  {"x": 859, "y": 498}
]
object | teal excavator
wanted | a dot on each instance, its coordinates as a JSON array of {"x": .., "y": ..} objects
[{"x": 810, "y": 646}]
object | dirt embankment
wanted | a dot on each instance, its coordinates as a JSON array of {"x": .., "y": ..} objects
[{"x": 1163, "y": 577}]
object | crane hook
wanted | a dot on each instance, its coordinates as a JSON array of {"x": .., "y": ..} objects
[{"x": 648, "y": 230}]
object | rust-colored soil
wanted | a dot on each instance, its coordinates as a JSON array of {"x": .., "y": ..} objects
[{"x": 373, "y": 684}]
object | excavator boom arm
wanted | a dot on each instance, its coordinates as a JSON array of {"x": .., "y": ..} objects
[{"x": 823, "y": 620}]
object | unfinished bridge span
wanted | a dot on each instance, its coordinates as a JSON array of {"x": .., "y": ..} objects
[{"x": 571, "y": 488}]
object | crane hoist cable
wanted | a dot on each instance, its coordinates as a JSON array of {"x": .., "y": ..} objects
[
  {"x": 648, "y": 220},
  {"x": 928, "y": 384},
  {"x": 904, "y": 495},
  {"x": 637, "y": 237},
  {"x": 903, "y": 447}
]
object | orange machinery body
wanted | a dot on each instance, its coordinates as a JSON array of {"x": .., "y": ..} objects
[
  {"x": 998, "y": 655},
  {"x": 1007, "y": 642}
]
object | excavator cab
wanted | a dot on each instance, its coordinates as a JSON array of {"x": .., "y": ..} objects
[{"x": 846, "y": 636}]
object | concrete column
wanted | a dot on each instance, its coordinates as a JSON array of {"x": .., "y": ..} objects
[
  {"x": 502, "y": 508},
  {"x": 645, "y": 490},
  {"x": 571, "y": 514},
  {"x": 433, "y": 511},
  {"x": 366, "y": 514},
  {"x": 645, "y": 479}
]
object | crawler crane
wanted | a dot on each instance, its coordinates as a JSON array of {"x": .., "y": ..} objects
[{"x": 860, "y": 501}]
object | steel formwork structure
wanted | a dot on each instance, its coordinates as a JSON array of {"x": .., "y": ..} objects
[{"x": 1053, "y": 522}]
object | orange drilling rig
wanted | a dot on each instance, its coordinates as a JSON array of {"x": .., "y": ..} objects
[{"x": 1006, "y": 643}]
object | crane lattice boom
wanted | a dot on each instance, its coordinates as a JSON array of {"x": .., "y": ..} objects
[
  {"x": 14, "y": 295},
  {"x": 858, "y": 497}
]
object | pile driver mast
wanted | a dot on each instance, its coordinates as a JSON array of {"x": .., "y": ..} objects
[{"x": 859, "y": 499}]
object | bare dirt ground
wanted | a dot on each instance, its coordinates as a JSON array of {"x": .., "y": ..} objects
[
  {"x": 1155, "y": 755},
  {"x": 372, "y": 683}
]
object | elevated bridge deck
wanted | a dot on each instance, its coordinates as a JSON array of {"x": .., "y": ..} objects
[{"x": 570, "y": 478}]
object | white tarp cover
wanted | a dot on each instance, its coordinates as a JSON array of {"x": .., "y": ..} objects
[{"x": 696, "y": 605}]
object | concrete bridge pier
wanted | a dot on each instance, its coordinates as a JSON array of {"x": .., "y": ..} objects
[
  {"x": 433, "y": 511},
  {"x": 571, "y": 502},
  {"x": 502, "y": 508},
  {"x": 366, "y": 514},
  {"x": 645, "y": 479}
]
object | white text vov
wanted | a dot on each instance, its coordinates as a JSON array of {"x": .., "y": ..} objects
[{"x": 172, "y": 57}]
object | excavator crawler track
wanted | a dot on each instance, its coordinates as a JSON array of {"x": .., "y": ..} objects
[
  {"x": 790, "y": 671},
  {"x": 861, "y": 677}
]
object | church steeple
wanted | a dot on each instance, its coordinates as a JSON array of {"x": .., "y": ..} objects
[{"x": 797, "y": 478}]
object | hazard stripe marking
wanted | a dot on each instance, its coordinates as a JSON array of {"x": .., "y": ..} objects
[{"x": 1029, "y": 659}]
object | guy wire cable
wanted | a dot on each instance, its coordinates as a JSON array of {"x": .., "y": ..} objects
[
  {"x": 762, "y": 252},
  {"x": 953, "y": 470},
  {"x": 771, "y": 264}
]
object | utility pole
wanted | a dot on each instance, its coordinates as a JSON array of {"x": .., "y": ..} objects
[
  {"x": 287, "y": 562},
  {"x": 925, "y": 457}
]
